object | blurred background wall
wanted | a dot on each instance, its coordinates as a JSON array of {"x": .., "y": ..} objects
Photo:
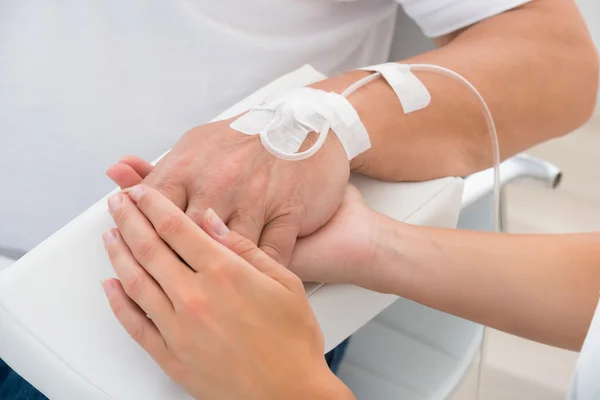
[{"x": 591, "y": 12}]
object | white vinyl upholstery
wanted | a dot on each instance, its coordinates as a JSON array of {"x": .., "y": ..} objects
[{"x": 57, "y": 330}]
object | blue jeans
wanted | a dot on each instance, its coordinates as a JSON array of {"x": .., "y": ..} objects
[
  {"x": 334, "y": 357},
  {"x": 13, "y": 387}
]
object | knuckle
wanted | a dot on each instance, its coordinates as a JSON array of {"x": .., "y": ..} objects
[
  {"x": 182, "y": 161},
  {"x": 291, "y": 210},
  {"x": 220, "y": 272},
  {"x": 295, "y": 284},
  {"x": 247, "y": 223},
  {"x": 231, "y": 171},
  {"x": 117, "y": 306},
  {"x": 194, "y": 305},
  {"x": 145, "y": 250},
  {"x": 135, "y": 286},
  {"x": 113, "y": 250},
  {"x": 137, "y": 332},
  {"x": 121, "y": 215},
  {"x": 144, "y": 199},
  {"x": 169, "y": 225},
  {"x": 199, "y": 199},
  {"x": 196, "y": 214},
  {"x": 243, "y": 247},
  {"x": 166, "y": 185},
  {"x": 271, "y": 247}
]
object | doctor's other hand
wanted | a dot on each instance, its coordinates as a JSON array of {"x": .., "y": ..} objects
[
  {"x": 345, "y": 250},
  {"x": 266, "y": 199},
  {"x": 223, "y": 323}
]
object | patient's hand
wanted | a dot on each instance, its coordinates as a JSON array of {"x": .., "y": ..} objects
[
  {"x": 225, "y": 323},
  {"x": 268, "y": 200},
  {"x": 343, "y": 250}
]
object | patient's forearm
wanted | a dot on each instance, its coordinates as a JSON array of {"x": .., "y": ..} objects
[
  {"x": 535, "y": 66},
  {"x": 541, "y": 287}
]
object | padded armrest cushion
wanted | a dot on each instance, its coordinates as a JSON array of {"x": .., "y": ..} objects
[{"x": 58, "y": 332}]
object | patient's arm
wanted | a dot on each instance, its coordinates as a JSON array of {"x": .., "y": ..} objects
[{"x": 535, "y": 66}]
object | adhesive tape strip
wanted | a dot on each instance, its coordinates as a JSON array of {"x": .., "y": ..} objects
[
  {"x": 285, "y": 122},
  {"x": 409, "y": 89}
]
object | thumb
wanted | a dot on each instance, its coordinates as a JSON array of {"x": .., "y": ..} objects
[
  {"x": 243, "y": 247},
  {"x": 169, "y": 182},
  {"x": 315, "y": 260},
  {"x": 278, "y": 238}
]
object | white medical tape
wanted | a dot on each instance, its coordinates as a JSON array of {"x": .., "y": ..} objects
[
  {"x": 409, "y": 89},
  {"x": 286, "y": 122}
]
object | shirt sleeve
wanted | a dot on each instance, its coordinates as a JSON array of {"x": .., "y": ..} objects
[
  {"x": 440, "y": 17},
  {"x": 585, "y": 384}
]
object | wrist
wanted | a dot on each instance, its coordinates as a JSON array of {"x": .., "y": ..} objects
[
  {"x": 359, "y": 100},
  {"x": 401, "y": 256}
]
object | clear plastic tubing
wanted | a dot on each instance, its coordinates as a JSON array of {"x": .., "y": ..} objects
[{"x": 491, "y": 128}]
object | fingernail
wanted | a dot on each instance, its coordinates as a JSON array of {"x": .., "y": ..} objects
[
  {"x": 114, "y": 202},
  {"x": 136, "y": 192},
  {"x": 109, "y": 236},
  {"x": 216, "y": 224},
  {"x": 109, "y": 286}
]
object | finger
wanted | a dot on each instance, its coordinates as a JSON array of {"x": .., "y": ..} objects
[
  {"x": 139, "y": 165},
  {"x": 134, "y": 320},
  {"x": 246, "y": 225},
  {"x": 138, "y": 284},
  {"x": 147, "y": 247},
  {"x": 168, "y": 182},
  {"x": 175, "y": 228},
  {"x": 278, "y": 239},
  {"x": 123, "y": 175},
  {"x": 195, "y": 210},
  {"x": 244, "y": 248}
]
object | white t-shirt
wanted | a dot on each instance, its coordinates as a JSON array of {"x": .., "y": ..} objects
[
  {"x": 83, "y": 83},
  {"x": 586, "y": 381}
]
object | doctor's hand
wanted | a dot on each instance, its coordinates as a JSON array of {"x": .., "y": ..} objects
[
  {"x": 225, "y": 323},
  {"x": 267, "y": 200},
  {"x": 345, "y": 250}
]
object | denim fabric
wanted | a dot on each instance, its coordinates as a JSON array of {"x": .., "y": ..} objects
[
  {"x": 334, "y": 357},
  {"x": 13, "y": 387}
]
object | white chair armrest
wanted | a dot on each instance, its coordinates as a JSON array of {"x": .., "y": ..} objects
[{"x": 57, "y": 330}]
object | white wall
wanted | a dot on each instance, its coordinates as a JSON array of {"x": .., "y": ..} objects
[
  {"x": 591, "y": 12},
  {"x": 408, "y": 39}
]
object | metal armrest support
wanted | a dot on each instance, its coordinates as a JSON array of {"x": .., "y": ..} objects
[
  {"x": 477, "y": 195},
  {"x": 519, "y": 167}
]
